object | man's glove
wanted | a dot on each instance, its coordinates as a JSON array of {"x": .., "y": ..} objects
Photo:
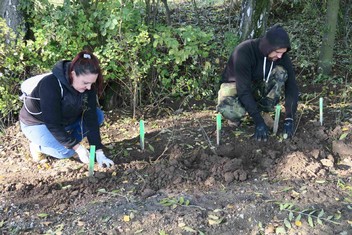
[
  {"x": 261, "y": 132},
  {"x": 102, "y": 159},
  {"x": 288, "y": 128},
  {"x": 83, "y": 154}
]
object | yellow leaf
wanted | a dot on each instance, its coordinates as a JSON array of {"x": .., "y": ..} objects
[
  {"x": 212, "y": 222},
  {"x": 181, "y": 224},
  {"x": 81, "y": 223},
  {"x": 294, "y": 194},
  {"x": 47, "y": 166},
  {"x": 126, "y": 218},
  {"x": 298, "y": 223}
]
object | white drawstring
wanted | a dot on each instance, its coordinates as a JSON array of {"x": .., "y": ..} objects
[
  {"x": 25, "y": 105},
  {"x": 271, "y": 67}
]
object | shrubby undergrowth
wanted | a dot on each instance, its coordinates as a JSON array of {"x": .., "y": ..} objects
[
  {"x": 143, "y": 63},
  {"x": 11, "y": 68}
]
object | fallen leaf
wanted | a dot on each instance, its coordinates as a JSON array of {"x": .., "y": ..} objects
[
  {"x": 343, "y": 136},
  {"x": 280, "y": 230},
  {"x": 269, "y": 229},
  {"x": 126, "y": 218},
  {"x": 81, "y": 223},
  {"x": 181, "y": 224},
  {"x": 189, "y": 229},
  {"x": 294, "y": 194},
  {"x": 46, "y": 223},
  {"x": 298, "y": 223},
  {"x": 42, "y": 215}
]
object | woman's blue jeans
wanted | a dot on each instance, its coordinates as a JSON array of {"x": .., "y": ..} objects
[{"x": 40, "y": 135}]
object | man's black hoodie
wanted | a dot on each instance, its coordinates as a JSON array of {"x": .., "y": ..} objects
[
  {"x": 245, "y": 67},
  {"x": 60, "y": 110}
]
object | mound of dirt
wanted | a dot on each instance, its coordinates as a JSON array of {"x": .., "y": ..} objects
[{"x": 297, "y": 165}]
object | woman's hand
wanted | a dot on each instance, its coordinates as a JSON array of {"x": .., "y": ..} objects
[
  {"x": 102, "y": 159},
  {"x": 82, "y": 152}
]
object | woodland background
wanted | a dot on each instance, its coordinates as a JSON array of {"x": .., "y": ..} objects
[
  {"x": 162, "y": 61},
  {"x": 153, "y": 50}
]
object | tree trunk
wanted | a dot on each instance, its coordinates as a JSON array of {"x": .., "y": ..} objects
[
  {"x": 346, "y": 20},
  {"x": 168, "y": 13},
  {"x": 13, "y": 17},
  {"x": 254, "y": 18},
  {"x": 327, "y": 48},
  {"x": 151, "y": 11}
]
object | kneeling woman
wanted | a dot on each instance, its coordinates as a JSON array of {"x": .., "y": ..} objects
[{"x": 62, "y": 110}]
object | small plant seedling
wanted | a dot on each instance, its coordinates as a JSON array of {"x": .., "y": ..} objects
[
  {"x": 174, "y": 202},
  {"x": 313, "y": 216}
]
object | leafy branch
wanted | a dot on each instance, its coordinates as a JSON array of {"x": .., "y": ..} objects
[
  {"x": 296, "y": 214},
  {"x": 174, "y": 202}
]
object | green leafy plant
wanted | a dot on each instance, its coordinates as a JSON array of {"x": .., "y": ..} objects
[
  {"x": 162, "y": 232},
  {"x": 313, "y": 216},
  {"x": 11, "y": 68},
  {"x": 348, "y": 189},
  {"x": 145, "y": 61},
  {"x": 174, "y": 202}
]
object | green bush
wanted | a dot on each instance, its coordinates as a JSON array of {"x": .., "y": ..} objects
[
  {"x": 11, "y": 68},
  {"x": 151, "y": 60}
]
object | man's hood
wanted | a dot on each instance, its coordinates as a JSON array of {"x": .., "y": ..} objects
[
  {"x": 275, "y": 38},
  {"x": 60, "y": 71}
]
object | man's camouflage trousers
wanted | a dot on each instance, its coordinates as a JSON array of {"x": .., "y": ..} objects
[{"x": 266, "y": 94}]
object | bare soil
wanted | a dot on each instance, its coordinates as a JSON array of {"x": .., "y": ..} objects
[{"x": 183, "y": 182}]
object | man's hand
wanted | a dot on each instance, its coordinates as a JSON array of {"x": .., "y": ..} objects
[
  {"x": 261, "y": 132},
  {"x": 288, "y": 128}
]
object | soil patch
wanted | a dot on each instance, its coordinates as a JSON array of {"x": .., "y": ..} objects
[{"x": 183, "y": 183}]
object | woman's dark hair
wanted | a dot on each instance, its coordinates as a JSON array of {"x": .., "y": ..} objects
[{"x": 86, "y": 62}]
